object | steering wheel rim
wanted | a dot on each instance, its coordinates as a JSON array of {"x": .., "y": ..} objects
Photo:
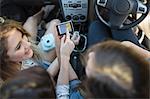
[{"x": 126, "y": 26}]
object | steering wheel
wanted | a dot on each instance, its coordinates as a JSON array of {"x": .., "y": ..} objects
[{"x": 114, "y": 13}]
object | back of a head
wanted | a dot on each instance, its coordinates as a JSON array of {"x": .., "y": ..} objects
[
  {"x": 32, "y": 83},
  {"x": 120, "y": 72}
]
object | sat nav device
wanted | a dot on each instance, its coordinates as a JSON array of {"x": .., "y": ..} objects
[{"x": 62, "y": 28}]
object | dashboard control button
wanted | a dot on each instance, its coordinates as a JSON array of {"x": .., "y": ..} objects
[
  {"x": 82, "y": 17},
  {"x": 75, "y": 17},
  {"x": 68, "y": 17}
]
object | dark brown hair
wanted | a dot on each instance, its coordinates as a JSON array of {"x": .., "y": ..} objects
[
  {"x": 32, "y": 83},
  {"x": 112, "y": 54}
]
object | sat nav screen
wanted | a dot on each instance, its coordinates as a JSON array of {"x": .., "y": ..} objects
[{"x": 62, "y": 28}]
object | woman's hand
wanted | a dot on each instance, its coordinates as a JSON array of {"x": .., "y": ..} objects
[
  {"x": 51, "y": 26},
  {"x": 75, "y": 38},
  {"x": 145, "y": 25},
  {"x": 66, "y": 49},
  {"x": 67, "y": 45},
  {"x": 143, "y": 52}
]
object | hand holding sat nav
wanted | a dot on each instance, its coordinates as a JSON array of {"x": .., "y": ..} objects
[{"x": 62, "y": 29}]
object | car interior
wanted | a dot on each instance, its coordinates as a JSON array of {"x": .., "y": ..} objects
[{"x": 116, "y": 14}]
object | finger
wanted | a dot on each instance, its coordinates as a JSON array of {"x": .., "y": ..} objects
[
  {"x": 62, "y": 40},
  {"x": 67, "y": 34},
  {"x": 73, "y": 45}
]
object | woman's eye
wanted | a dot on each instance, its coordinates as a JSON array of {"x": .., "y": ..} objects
[{"x": 18, "y": 46}]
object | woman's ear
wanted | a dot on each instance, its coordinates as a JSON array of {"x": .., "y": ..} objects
[
  {"x": 91, "y": 58},
  {"x": 92, "y": 55},
  {"x": 90, "y": 64}
]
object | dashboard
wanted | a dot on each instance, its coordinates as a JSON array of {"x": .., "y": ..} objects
[{"x": 75, "y": 10}]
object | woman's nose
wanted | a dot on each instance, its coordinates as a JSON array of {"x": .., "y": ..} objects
[{"x": 26, "y": 44}]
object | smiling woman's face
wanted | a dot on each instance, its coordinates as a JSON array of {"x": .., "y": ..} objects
[{"x": 19, "y": 48}]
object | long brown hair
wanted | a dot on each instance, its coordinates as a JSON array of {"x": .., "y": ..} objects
[
  {"x": 113, "y": 60},
  {"x": 9, "y": 68},
  {"x": 31, "y": 83}
]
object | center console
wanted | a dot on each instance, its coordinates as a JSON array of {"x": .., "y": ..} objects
[{"x": 77, "y": 12}]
